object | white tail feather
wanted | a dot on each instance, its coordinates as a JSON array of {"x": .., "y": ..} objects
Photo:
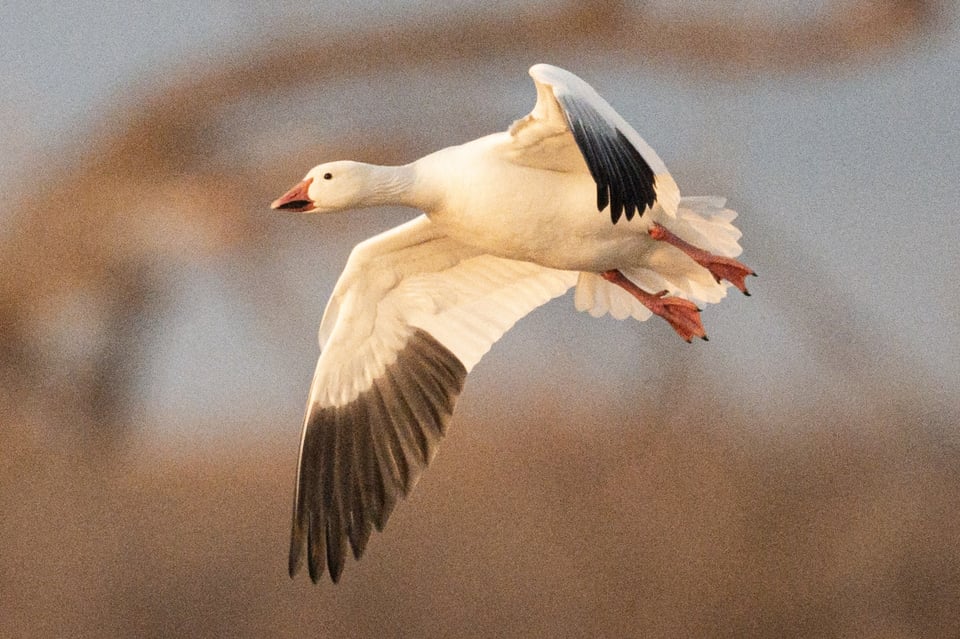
[
  {"x": 702, "y": 221},
  {"x": 705, "y": 222}
]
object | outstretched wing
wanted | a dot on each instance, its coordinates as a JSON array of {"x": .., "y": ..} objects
[
  {"x": 411, "y": 314},
  {"x": 630, "y": 176}
]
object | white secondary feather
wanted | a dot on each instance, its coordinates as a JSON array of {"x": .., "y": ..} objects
[
  {"x": 412, "y": 277},
  {"x": 480, "y": 299}
]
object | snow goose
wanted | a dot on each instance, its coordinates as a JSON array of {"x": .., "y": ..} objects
[{"x": 570, "y": 195}]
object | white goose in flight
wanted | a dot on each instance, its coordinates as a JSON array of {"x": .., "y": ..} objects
[{"x": 570, "y": 195}]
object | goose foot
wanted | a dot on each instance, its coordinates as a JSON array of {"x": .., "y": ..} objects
[
  {"x": 722, "y": 268},
  {"x": 683, "y": 315}
]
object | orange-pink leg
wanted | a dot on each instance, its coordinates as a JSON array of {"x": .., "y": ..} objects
[
  {"x": 683, "y": 315},
  {"x": 722, "y": 268}
]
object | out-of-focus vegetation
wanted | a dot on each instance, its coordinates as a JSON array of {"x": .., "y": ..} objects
[{"x": 692, "y": 525}]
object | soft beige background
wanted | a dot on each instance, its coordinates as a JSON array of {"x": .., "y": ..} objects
[{"x": 798, "y": 475}]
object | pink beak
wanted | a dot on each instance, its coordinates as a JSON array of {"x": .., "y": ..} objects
[{"x": 296, "y": 199}]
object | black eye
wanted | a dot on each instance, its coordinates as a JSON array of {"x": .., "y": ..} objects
[{"x": 327, "y": 176}]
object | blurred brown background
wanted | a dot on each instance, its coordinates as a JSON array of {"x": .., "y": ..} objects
[{"x": 799, "y": 475}]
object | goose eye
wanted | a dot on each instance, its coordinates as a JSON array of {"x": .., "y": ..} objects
[{"x": 327, "y": 176}]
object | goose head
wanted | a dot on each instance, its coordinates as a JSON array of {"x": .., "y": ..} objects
[{"x": 333, "y": 186}]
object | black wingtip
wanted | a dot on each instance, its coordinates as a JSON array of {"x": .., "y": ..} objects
[
  {"x": 603, "y": 196},
  {"x": 622, "y": 174},
  {"x": 293, "y": 567},
  {"x": 359, "y": 535},
  {"x": 313, "y": 570},
  {"x": 351, "y": 478},
  {"x": 295, "y": 558}
]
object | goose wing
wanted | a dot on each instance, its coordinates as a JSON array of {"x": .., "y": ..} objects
[
  {"x": 571, "y": 116},
  {"x": 411, "y": 314}
]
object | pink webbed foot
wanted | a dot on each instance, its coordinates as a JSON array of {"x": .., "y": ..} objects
[
  {"x": 683, "y": 315},
  {"x": 722, "y": 268}
]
